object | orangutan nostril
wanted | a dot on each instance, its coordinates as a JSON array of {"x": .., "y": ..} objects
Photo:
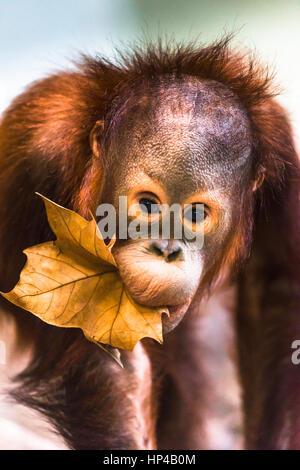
[{"x": 168, "y": 249}]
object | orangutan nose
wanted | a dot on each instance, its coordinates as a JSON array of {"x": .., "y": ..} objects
[{"x": 168, "y": 249}]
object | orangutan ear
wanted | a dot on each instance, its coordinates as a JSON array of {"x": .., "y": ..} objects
[
  {"x": 259, "y": 179},
  {"x": 95, "y": 135}
]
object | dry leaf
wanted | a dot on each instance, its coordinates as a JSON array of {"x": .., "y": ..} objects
[{"x": 74, "y": 282}]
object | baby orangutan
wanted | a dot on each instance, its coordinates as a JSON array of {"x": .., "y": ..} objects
[{"x": 166, "y": 126}]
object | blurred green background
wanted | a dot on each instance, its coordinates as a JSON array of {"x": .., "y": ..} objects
[{"x": 37, "y": 37}]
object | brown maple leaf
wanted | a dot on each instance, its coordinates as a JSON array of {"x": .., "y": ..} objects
[{"x": 74, "y": 282}]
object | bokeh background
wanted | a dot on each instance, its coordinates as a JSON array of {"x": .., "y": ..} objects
[{"x": 38, "y": 37}]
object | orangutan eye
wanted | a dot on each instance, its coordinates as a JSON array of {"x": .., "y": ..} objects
[
  {"x": 149, "y": 206},
  {"x": 196, "y": 213}
]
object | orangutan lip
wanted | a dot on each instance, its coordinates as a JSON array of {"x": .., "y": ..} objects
[
  {"x": 176, "y": 313},
  {"x": 174, "y": 309}
]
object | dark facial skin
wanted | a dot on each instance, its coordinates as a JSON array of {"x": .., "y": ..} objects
[{"x": 185, "y": 142}]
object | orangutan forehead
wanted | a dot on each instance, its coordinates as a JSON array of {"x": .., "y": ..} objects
[
  {"x": 203, "y": 106},
  {"x": 190, "y": 128}
]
